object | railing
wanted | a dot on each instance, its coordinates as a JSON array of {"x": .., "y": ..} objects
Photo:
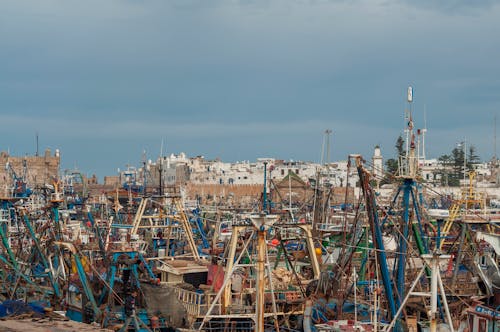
[
  {"x": 237, "y": 326},
  {"x": 330, "y": 227},
  {"x": 4, "y": 215},
  {"x": 408, "y": 166},
  {"x": 288, "y": 233},
  {"x": 196, "y": 304},
  {"x": 177, "y": 232},
  {"x": 12, "y": 225},
  {"x": 233, "y": 326}
]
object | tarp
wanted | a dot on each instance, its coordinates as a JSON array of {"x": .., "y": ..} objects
[{"x": 15, "y": 308}]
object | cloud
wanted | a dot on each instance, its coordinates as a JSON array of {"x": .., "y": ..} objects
[
  {"x": 454, "y": 7},
  {"x": 244, "y": 78}
]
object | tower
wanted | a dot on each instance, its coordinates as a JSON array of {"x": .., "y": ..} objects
[{"x": 378, "y": 166}]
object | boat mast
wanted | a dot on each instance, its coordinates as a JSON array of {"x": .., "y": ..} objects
[{"x": 160, "y": 169}]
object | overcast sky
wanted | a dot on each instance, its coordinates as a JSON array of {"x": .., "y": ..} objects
[{"x": 104, "y": 80}]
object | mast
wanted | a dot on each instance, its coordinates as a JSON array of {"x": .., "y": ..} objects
[
  {"x": 408, "y": 173},
  {"x": 144, "y": 179},
  {"x": 424, "y": 131},
  {"x": 264, "y": 196},
  {"x": 328, "y": 132},
  {"x": 37, "y": 145},
  {"x": 495, "y": 142},
  {"x": 408, "y": 120},
  {"x": 160, "y": 169},
  {"x": 262, "y": 223}
]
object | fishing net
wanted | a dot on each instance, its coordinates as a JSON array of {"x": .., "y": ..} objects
[{"x": 163, "y": 302}]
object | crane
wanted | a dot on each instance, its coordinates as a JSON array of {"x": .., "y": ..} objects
[{"x": 20, "y": 189}]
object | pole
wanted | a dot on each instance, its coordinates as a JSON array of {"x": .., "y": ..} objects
[
  {"x": 275, "y": 311},
  {"x": 401, "y": 307},
  {"x": 264, "y": 196},
  {"x": 434, "y": 292},
  {"x": 290, "y": 192},
  {"x": 465, "y": 160},
  {"x": 495, "y": 142},
  {"x": 144, "y": 179},
  {"x": 446, "y": 308},
  {"x": 401, "y": 266},
  {"x": 328, "y": 132},
  {"x": 459, "y": 254},
  {"x": 355, "y": 297},
  {"x": 259, "y": 300},
  {"x": 378, "y": 242},
  {"x": 161, "y": 177}
]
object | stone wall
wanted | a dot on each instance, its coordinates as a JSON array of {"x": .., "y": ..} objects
[
  {"x": 224, "y": 194},
  {"x": 39, "y": 170}
]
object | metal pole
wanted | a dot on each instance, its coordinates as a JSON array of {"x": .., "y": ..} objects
[
  {"x": 495, "y": 143},
  {"x": 160, "y": 170},
  {"x": 378, "y": 242},
  {"x": 259, "y": 300},
  {"x": 401, "y": 307},
  {"x": 328, "y": 132},
  {"x": 434, "y": 292},
  {"x": 264, "y": 196},
  {"x": 290, "y": 192},
  {"x": 459, "y": 255},
  {"x": 355, "y": 297},
  {"x": 270, "y": 275},
  {"x": 446, "y": 308},
  {"x": 227, "y": 279},
  {"x": 465, "y": 160},
  {"x": 401, "y": 266}
]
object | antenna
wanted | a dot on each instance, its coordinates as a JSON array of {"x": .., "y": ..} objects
[
  {"x": 408, "y": 120},
  {"x": 161, "y": 148},
  {"x": 409, "y": 163},
  {"x": 495, "y": 142},
  {"x": 328, "y": 132},
  {"x": 325, "y": 157},
  {"x": 424, "y": 131},
  {"x": 160, "y": 168},
  {"x": 144, "y": 179},
  {"x": 36, "y": 145}
]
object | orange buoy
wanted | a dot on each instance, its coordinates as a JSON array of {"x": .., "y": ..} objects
[{"x": 155, "y": 322}]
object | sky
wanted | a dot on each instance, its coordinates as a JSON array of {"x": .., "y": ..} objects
[{"x": 104, "y": 81}]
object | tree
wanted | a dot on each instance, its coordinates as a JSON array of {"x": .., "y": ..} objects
[
  {"x": 458, "y": 163},
  {"x": 472, "y": 157},
  {"x": 392, "y": 164},
  {"x": 400, "y": 146},
  {"x": 446, "y": 171},
  {"x": 452, "y": 165}
]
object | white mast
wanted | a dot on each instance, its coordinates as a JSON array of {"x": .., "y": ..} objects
[
  {"x": 408, "y": 120},
  {"x": 409, "y": 163},
  {"x": 424, "y": 131},
  {"x": 494, "y": 162}
]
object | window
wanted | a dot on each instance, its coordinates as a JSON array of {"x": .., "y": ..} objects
[{"x": 482, "y": 261}]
